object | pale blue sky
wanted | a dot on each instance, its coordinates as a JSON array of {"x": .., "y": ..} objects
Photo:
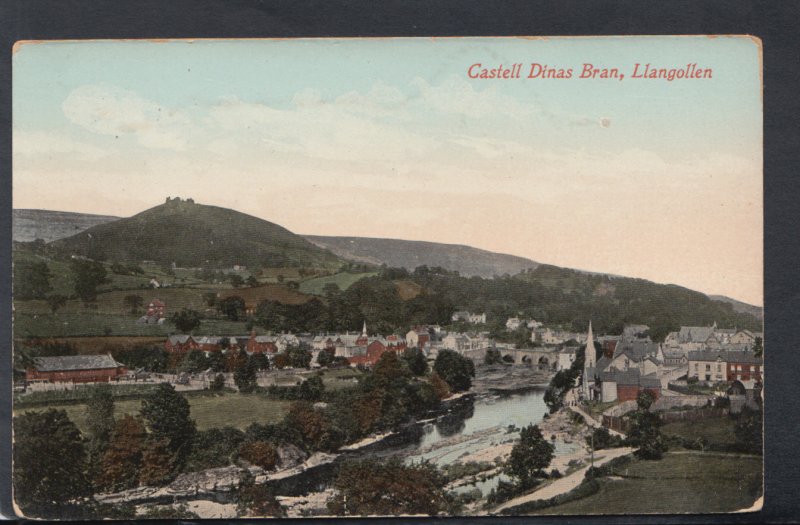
[{"x": 296, "y": 129}]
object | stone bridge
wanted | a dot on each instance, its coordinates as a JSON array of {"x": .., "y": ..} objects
[{"x": 544, "y": 358}]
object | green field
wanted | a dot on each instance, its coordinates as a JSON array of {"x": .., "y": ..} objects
[
  {"x": 236, "y": 410},
  {"x": 344, "y": 280},
  {"x": 714, "y": 430},
  {"x": 682, "y": 482},
  {"x": 97, "y": 324}
]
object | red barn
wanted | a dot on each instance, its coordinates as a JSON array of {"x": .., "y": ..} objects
[
  {"x": 180, "y": 344},
  {"x": 76, "y": 369},
  {"x": 262, "y": 344}
]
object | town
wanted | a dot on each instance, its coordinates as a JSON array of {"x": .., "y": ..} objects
[{"x": 242, "y": 382}]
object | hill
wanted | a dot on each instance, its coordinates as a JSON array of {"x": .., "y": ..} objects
[
  {"x": 738, "y": 306},
  {"x": 29, "y": 225},
  {"x": 397, "y": 253},
  {"x": 195, "y": 235}
]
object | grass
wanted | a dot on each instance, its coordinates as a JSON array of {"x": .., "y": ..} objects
[
  {"x": 679, "y": 483},
  {"x": 714, "y": 430},
  {"x": 97, "y": 324},
  {"x": 208, "y": 411},
  {"x": 343, "y": 280}
]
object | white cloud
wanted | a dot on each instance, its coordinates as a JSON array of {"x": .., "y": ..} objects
[{"x": 111, "y": 110}]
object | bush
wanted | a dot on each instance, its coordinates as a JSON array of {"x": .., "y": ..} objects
[
  {"x": 585, "y": 489},
  {"x": 259, "y": 453}
]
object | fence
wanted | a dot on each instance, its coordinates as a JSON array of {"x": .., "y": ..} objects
[{"x": 623, "y": 424}]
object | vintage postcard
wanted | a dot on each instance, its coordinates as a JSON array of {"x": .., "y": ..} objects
[{"x": 384, "y": 277}]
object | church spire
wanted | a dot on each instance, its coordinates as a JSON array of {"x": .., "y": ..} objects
[
  {"x": 364, "y": 330},
  {"x": 589, "y": 364}
]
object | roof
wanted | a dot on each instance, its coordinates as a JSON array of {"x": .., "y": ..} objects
[
  {"x": 726, "y": 356},
  {"x": 695, "y": 334},
  {"x": 630, "y": 377},
  {"x": 636, "y": 350},
  {"x": 156, "y": 302},
  {"x": 179, "y": 339},
  {"x": 76, "y": 362},
  {"x": 603, "y": 363}
]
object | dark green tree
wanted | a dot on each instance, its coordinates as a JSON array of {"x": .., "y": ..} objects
[
  {"x": 530, "y": 457},
  {"x": 49, "y": 463},
  {"x": 56, "y": 301},
  {"x": 87, "y": 276},
  {"x": 99, "y": 423},
  {"x": 185, "y": 320},
  {"x": 166, "y": 414},
  {"x": 231, "y": 307},
  {"x": 31, "y": 279},
  {"x": 455, "y": 369},
  {"x": 325, "y": 357},
  {"x": 194, "y": 362},
  {"x": 749, "y": 431},
  {"x": 133, "y": 302},
  {"x": 492, "y": 357},
  {"x": 416, "y": 361},
  {"x": 758, "y": 347},
  {"x": 236, "y": 280},
  {"x": 245, "y": 375}
]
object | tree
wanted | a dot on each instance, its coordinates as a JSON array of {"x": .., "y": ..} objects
[
  {"x": 492, "y": 357},
  {"x": 194, "y": 362},
  {"x": 530, "y": 457},
  {"x": 245, "y": 375},
  {"x": 158, "y": 462},
  {"x": 133, "y": 302},
  {"x": 49, "y": 462},
  {"x": 455, "y": 369},
  {"x": 210, "y": 298},
  {"x": 31, "y": 279},
  {"x": 251, "y": 281},
  {"x": 440, "y": 386},
  {"x": 236, "y": 280},
  {"x": 645, "y": 400},
  {"x": 387, "y": 488},
  {"x": 416, "y": 361},
  {"x": 645, "y": 431},
  {"x": 231, "y": 307},
  {"x": 185, "y": 320},
  {"x": 758, "y": 347},
  {"x": 325, "y": 357},
  {"x": 87, "y": 276},
  {"x": 122, "y": 460},
  {"x": 218, "y": 383},
  {"x": 166, "y": 414},
  {"x": 259, "y": 453},
  {"x": 99, "y": 423},
  {"x": 256, "y": 500},
  {"x": 749, "y": 431},
  {"x": 56, "y": 301}
]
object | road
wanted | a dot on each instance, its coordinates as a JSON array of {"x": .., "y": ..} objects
[
  {"x": 592, "y": 422},
  {"x": 567, "y": 483}
]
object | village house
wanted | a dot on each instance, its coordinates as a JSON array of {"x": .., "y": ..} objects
[
  {"x": 724, "y": 365},
  {"x": 418, "y": 337},
  {"x": 75, "y": 369},
  {"x": 513, "y": 323},
  {"x": 180, "y": 343},
  {"x": 468, "y": 317},
  {"x": 626, "y": 385},
  {"x": 635, "y": 332},
  {"x": 566, "y": 356}
]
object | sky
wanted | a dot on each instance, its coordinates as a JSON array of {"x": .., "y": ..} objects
[{"x": 392, "y": 138}]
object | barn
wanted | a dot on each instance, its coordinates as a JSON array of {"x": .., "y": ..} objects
[{"x": 76, "y": 369}]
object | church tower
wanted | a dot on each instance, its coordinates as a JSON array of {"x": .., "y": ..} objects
[
  {"x": 364, "y": 330},
  {"x": 589, "y": 364}
]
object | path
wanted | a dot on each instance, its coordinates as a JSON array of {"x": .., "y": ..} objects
[
  {"x": 565, "y": 484},
  {"x": 592, "y": 422}
]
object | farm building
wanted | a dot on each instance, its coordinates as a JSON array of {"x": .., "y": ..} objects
[{"x": 76, "y": 369}]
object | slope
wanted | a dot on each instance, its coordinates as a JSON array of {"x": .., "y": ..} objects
[
  {"x": 398, "y": 253},
  {"x": 195, "y": 235}
]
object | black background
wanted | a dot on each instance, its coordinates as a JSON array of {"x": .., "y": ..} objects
[{"x": 776, "y": 23}]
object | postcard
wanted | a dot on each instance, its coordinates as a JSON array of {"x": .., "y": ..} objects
[{"x": 387, "y": 277}]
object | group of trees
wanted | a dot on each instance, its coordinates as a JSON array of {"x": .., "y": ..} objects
[{"x": 54, "y": 464}]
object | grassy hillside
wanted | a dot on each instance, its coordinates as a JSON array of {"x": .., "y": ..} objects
[
  {"x": 397, "y": 253},
  {"x": 343, "y": 280},
  {"x": 195, "y": 235}
]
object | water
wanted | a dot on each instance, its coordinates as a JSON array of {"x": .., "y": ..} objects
[{"x": 486, "y": 423}]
